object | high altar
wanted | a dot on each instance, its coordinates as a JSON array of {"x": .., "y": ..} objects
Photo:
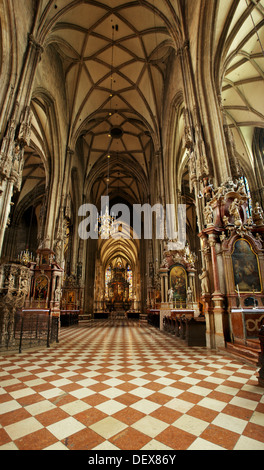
[{"x": 118, "y": 290}]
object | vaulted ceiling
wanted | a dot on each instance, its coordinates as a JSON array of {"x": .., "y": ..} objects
[
  {"x": 240, "y": 41},
  {"x": 115, "y": 56}
]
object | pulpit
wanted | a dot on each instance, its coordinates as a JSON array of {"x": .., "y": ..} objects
[
  {"x": 29, "y": 302},
  {"x": 46, "y": 279}
]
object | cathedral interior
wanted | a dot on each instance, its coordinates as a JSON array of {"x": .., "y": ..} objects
[{"x": 142, "y": 104}]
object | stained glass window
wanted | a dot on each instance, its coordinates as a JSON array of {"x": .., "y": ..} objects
[
  {"x": 130, "y": 280},
  {"x": 249, "y": 205},
  {"x": 108, "y": 274}
]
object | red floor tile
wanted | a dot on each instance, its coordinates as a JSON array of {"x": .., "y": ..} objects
[
  {"x": 219, "y": 436},
  {"x": 130, "y": 439}
]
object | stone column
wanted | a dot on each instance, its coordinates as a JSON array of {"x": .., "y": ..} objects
[
  {"x": 166, "y": 288},
  {"x": 217, "y": 297},
  {"x": 5, "y": 208},
  {"x": 17, "y": 134},
  {"x": 206, "y": 296},
  {"x": 165, "y": 306},
  {"x": 192, "y": 285}
]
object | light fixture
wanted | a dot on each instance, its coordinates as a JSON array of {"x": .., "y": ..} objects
[
  {"x": 25, "y": 257},
  {"x": 106, "y": 224},
  {"x": 105, "y": 221}
]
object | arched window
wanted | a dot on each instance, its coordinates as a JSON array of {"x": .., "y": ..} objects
[
  {"x": 108, "y": 275},
  {"x": 249, "y": 205},
  {"x": 130, "y": 280}
]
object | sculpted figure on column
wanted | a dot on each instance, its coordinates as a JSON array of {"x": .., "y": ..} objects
[{"x": 204, "y": 281}]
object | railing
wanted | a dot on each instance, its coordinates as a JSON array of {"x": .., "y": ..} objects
[
  {"x": 69, "y": 317},
  {"x": 154, "y": 317},
  {"x": 30, "y": 328},
  {"x": 261, "y": 356}
]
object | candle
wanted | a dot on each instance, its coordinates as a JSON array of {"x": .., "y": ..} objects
[{"x": 238, "y": 290}]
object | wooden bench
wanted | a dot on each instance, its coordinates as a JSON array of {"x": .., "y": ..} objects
[
  {"x": 69, "y": 317},
  {"x": 190, "y": 329}
]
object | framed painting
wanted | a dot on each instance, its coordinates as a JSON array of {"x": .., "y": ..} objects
[
  {"x": 41, "y": 288},
  {"x": 71, "y": 296},
  {"x": 178, "y": 282},
  {"x": 245, "y": 267}
]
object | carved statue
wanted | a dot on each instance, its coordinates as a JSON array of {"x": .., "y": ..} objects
[
  {"x": 189, "y": 295},
  {"x": 225, "y": 220},
  {"x": 58, "y": 293},
  {"x": 234, "y": 211},
  {"x": 222, "y": 237},
  {"x": 204, "y": 281},
  {"x": 192, "y": 164},
  {"x": 258, "y": 215},
  {"x": 164, "y": 263},
  {"x": 11, "y": 282},
  {"x": 58, "y": 251},
  {"x": 207, "y": 190},
  {"x": 170, "y": 294},
  {"x": 220, "y": 191},
  {"x": 24, "y": 288},
  {"x": 208, "y": 214}
]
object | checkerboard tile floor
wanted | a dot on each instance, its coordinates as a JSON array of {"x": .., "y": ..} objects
[{"x": 128, "y": 387}]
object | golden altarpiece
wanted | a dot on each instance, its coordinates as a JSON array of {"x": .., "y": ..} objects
[
  {"x": 228, "y": 292},
  {"x": 232, "y": 282}
]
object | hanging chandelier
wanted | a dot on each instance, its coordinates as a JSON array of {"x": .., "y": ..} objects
[
  {"x": 106, "y": 223},
  {"x": 25, "y": 257}
]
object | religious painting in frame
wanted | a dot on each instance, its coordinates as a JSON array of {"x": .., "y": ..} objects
[
  {"x": 71, "y": 296},
  {"x": 245, "y": 267},
  {"x": 178, "y": 281},
  {"x": 41, "y": 288}
]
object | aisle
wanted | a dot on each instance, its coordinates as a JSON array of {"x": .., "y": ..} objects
[{"x": 128, "y": 387}]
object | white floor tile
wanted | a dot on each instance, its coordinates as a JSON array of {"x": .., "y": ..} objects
[
  {"x": 40, "y": 407},
  {"x": 150, "y": 426},
  {"x": 75, "y": 407},
  {"x": 145, "y": 406},
  {"x": 230, "y": 422},
  {"x": 246, "y": 443},
  {"x": 191, "y": 424},
  {"x": 8, "y": 406},
  {"x": 22, "y": 428},
  {"x": 244, "y": 403},
  {"x": 108, "y": 427},
  {"x": 65, "y": 428},
  {"x": 202, "y": 444},
  {"x": 110, "y": 407}
]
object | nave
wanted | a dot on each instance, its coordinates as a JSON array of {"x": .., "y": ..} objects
[{"x": 128, "y": 386}]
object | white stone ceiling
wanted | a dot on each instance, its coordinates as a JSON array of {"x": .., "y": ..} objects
[
  {"x": 121, "y": 48},
  {"x": 115, "y": 56},
  {"x": 243, "y": 71}
]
